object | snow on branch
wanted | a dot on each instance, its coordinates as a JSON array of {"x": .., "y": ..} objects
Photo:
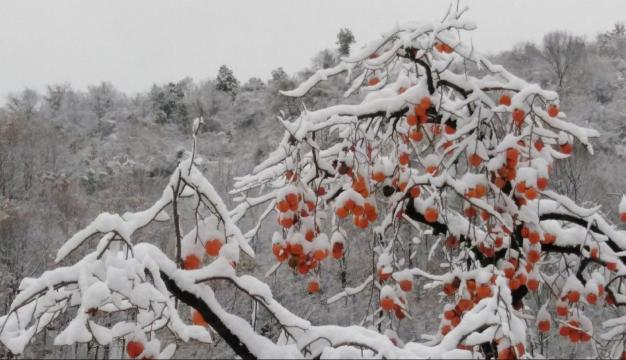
[
  {"x": 449, "y": 145},
  {"x": 445, "y": 145}
]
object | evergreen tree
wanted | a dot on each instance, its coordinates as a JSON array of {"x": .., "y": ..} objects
[
  {"x": 226, "y": 81},
  {"x": 344, "y": 39},
  {"x": 168, "y": 104}
]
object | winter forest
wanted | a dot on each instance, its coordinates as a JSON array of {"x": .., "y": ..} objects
[{"x": 402, "y": 196}]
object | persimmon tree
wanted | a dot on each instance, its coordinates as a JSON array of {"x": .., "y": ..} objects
[{"x": 444, "y": 143}]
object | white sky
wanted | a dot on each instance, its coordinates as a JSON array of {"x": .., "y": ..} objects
[{"x": 133, "y": 44}]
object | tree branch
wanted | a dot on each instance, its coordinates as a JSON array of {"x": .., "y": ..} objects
[{"x": 209, "y": 316}]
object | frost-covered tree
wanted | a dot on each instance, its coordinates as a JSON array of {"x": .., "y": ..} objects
[
  {"x": 280, "y": 81},
  {"x": 226, "y": 81},
  {"x": 325, "y": 59},
  {"x": 24, "y": 104},
  {"x": 445, "y": 144},
  {"x": 563, "y": 52},
  {"x": 56, "y": 96},
  {"x": 253, "y": 84},
  {"x": 168, "y": 104},
  {"x": 102, "y": 98},
  {"x": 345, "y": 38}
]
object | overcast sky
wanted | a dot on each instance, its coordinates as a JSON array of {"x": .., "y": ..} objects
[{"x": 133, "y": 44}]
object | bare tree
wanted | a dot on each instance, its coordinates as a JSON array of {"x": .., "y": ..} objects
[
  {"x": 572, "y": 176},
  {"x": 56, "y": 95},
  {"x": 101, "y": 98},
  {"x": 563, "y": 51},
  {"x": 23, "y": 104}
]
